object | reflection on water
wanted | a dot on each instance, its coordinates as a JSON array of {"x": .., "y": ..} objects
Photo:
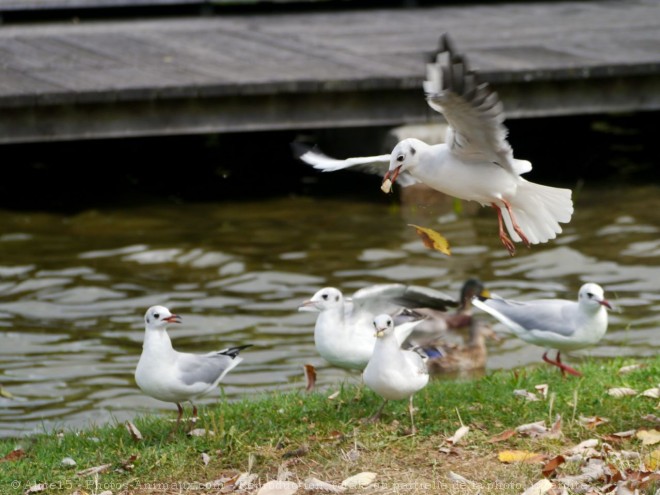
[{"x": 74, "y": 288}]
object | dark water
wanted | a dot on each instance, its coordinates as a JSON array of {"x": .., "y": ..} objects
[
  {"x": 90, "y": 238},
  {"x": 74, "y": 287}
]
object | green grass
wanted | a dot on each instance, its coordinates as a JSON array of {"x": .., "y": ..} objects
[{"x": 313, "y": 435}]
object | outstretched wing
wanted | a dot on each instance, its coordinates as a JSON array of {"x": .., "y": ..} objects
[
  {"x": 381, "y": 298},
  {"x": 474, "y": 111},
  {"x": 369, "y": 164}
]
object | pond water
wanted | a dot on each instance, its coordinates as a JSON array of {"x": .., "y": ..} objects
[{"x": 74, "y": 287}]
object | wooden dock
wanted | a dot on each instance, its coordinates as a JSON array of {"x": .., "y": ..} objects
[{"x": 317, "y": 69}]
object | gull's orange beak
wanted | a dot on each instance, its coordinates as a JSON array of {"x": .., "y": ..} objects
[
  {"x": 173, "y": 319},
  {"x": 395, "y": 173},
  {"x": 606, "y": 303}
]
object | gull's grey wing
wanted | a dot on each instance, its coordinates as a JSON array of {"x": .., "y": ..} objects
[
  {"x": 207, "y": 368},
  {"x": 554, "y": 316},
  {"x": 380, "y": 296},
  {"x": 368, "y": 164},
  {"x": 474, "y": 111}
]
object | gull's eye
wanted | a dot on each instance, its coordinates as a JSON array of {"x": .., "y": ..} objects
[
  {"x": 590, "y": 295},
  {"x": 336, "y": 298},
  {"x": 400, "y": 158},
  {"x": 156, "y": 315},
  {"x": 324, "y": 297}
]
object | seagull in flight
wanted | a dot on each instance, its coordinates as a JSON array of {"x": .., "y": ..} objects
[
  {"x": 475, "y": 162},
  {"x": 172, "y": 376},
  {"x": 554, "y": 323}
]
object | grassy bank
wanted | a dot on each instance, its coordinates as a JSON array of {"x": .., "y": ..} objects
[{"x": 314, "y": 436}]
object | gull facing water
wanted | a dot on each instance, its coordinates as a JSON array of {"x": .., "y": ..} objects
[
  {"x": 394, "y": 373},
  {"x": 476, "y": 161},
  {"x": 171, "y": 376},
  {"x": 554, "y": 323}
]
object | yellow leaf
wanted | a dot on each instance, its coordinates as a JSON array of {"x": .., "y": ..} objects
[
  {"x": 648, "y": 437},
  {"x": 359, "y": 480},
  {"x": 652, "y": 461},
  {"x": 510, "y": 456},
  {"x": 432, "y": 239}
]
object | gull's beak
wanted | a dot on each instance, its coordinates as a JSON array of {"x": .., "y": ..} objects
[
  {"x": 173, "y": 319},
  {"x": 606, "y": 303},
  {"x": 386, "y": 186},
  {"x": 308, "y": 305},
  {"x": 379, "y": 332}
]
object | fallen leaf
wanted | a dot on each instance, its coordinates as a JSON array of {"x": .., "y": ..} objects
[
  {"x": 621, "y": 391},
  {"x": 275, "y": 487},
  {"x": 551, "y": 466},
  {"x": 653, "y": 393},
  {"x": 314, "y": 484},
  {"x": 511, "y": 456},
  {"x": 526, "y": 395},
  {"x": 206, "y": 458},
  {"x": 594, "y": 470},
  {"x": 460, "y": 433},
  {"x": 542, "y": 389},
  {"x": 648, "y": 437},
  {"x": 40, "y": 487},
  {"x": 14, "y": 455},
  {"x": 652, "y": 418},
  {"x": 135, "y": 433},
  {"x": 592, "y": 421},
  {"x": 127, "y": 465},
  {"x": 432, "y": 239},
  {"x": 299, "y": 452},
  {"x": 333, "y": 395},
  {"x": 631, "y": 367},
  {"x": 457, "y": 478},
  {"x": 351, "y": 456},
  {"x": 359, "y": 480},
  {"x": 67, "y": 462},
  {"x": 652, "y": 461},
  {"x": 246, "y": 481},
  {"x": 535, "y": 429},
  {"x": 201, "y": 432},
  {"x": 505, "y": 435},
  {"x": 94, "y": 470},
  {"x": 583, "y": 446},
  {"x": 106, "y": 492},
  {"x": 541, "y": 487},
  {"x": 310, "y": 377}
]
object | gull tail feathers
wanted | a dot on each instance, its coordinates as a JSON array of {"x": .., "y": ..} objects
[{"x": 538, "y": 211}]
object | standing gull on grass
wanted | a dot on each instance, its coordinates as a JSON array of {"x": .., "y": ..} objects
[
  {"x": 475, "y": 163},
  {"x": 554, "y": 323},
  {"x": 394, "y": 373},
  {"x": 344, "y": 335},
  {"x": 171, "y": 376}
]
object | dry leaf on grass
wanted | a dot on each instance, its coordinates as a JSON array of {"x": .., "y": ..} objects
[
  {"x": 592, "y": 421},
  {"x": 505, "y": 435},
  {"x": 333, "y": 395},
  {"x": 275, "y": 487},
  {"x": 432, "y": 239},
  {"x": 621, "y": 392},
  {"x": 653, "y": 393},
  {"x": 201, "y": 432},
  {"x": 630, "y": 368},
  {"x": 38, "y": 488},
  {"x": 14, "y": 455},
  {"x": 310, "y": 377},
  {"x": 652, "y": 461},
  {"x": 206, "y": 458},
  {"x": 513, "y": 456},
  {"x": 583, "y": 447},
  {"x": 535, "y": 429},
  {"x": 542, "y": 389},
  {"x": 541, "y": 487},
  {"x": 313, "y": 484},
  {"x": 551, "y": 466},
  {"x": 530, "y": 396},
  {"x": 457, "y": 478},
  {"x": 245, "y": 480},
  {"x": 94, "y": 470},
  {"x": 135, "y": 433},
  {"x": 67, "y": 462},
  {"x": 648, "y": 437},
  {"x": 456, "y": 437},
  {"x": 652, "y": 418},
  {"x": 359, "y": 480}
]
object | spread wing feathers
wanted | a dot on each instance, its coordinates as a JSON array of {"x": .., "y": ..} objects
[
  {"x": 208, "y": 368},
  {"x": 472, "y": 109},
  {"x": 369, "y": 164},
  {"x": 377, "y": 297}
]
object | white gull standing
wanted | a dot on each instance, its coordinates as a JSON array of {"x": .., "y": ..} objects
[
  {"x": 394, "y": 373},
  {"x": 475, "y": 163},
  {"x": 343, "y": 333},
  {"x": 554, "y": 323},
  {"x": 171, "y": 376}
]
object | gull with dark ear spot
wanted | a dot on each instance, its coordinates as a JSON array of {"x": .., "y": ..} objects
[
  {"x": 171, "y": 376},
  {"x": 554, "y": 323},
  {"x": 394, "y": 373},
  {"x": 475, "y": 163},
  {"x": 344, "y": 334}
]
